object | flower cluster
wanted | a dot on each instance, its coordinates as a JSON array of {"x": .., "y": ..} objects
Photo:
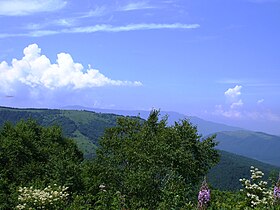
[
  {"x": 203, "y": 196},
  {"x": 276, "y": 192},
  {"x": 255, "y": 189},
  {"x": 48, "y": 198}
]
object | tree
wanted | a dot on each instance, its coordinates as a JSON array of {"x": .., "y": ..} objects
[
  {"x": 32, "y": 155},
  {"x": 152, "y": 165}
]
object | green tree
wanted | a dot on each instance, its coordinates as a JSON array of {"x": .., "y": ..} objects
[
  {"x": 151, "y": 164},
  {"x": 32, "y": 155}
]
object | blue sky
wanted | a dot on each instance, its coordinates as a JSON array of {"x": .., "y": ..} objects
[{"x": 216, "y": 59}]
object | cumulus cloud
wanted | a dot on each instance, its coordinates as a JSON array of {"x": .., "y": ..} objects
[
  {"x": 233, "y": 110},
  {"x": 233, "y": 93},
  {"x": 36, "y": 70},
  {"x": 28, "y": 7}
]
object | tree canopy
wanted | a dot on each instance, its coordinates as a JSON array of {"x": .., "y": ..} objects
[
  {"x": 34, "y": 155},
  {"x": 153, "y": 165}
]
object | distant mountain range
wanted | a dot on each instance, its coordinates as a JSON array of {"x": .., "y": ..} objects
[
  {"x": 85, "y": 127},
  {"x": 204, "y": 127}
]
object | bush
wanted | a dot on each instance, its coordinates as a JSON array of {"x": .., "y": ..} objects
[
  {"x": 255, "y": 190},
  {"x": 32, "y": 155},
  {"x": 51, "y": 197}
]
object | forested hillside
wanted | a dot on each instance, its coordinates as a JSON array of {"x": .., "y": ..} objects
[
  {"x": 256, "y": 145},
  {"x": 231, "y": 167},
  {"x": 83, "y": 126},
  {"x": 86, "y": 127}
]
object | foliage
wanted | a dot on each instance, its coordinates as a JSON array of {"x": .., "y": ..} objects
[
  {"x": 255, "y": 195},
  {"x": 82, "y": 126},
  {"x": 225, "y": 200},
  {"x": 139, "y": 165},
  {"x": 231, "y": 167},
  {"x": 51, "y": 197},
  {"x": 151, "y": 164},
  {"x": 256, "y": 190},
  {"x": 85, "y": 128},
  {"x": 31, "y": 155}
]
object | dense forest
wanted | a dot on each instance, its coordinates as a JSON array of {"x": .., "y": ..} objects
[{"x": 137, "y": 165}]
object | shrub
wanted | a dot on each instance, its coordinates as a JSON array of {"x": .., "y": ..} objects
[
  {"x": 52, "y": 197},
  {"x": 255, "y": 189}
]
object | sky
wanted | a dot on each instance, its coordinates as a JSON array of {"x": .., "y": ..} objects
[{"x": 218, "y": 60}]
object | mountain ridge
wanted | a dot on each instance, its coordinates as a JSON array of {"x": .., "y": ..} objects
[
  {"x": 256, "y": 145},
  {"x": 205, "y": 127}
]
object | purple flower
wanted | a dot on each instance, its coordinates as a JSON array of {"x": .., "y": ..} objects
[
  {"x": 203, "y": 197},
  {"x": 276, "y": 192}
]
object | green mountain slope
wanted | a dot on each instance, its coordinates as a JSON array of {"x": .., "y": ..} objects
[
  {"x": 204, "y": 127},
  {"x": 232, "y": 167},
  {"x": 256, "y": 145},
  {"x": 83, "y": 126}
]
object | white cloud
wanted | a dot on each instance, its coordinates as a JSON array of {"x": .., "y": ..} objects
[
  {"x": 7, "y": 35},
  {"x": 36, "y": 70},
  {"x": 97, "y": 12},
  {"x": 264, "y": 115},
  {"x": 234, "y": 109},
  {"x": 136, "y": 6},
  {"x": 169, "y": 1},
  {"x": 131, "y": 27},
  {"x": 28, "y": 7},
  {"x": 233, "y": 93},
  {"x": 229, "y": 81},
  {"x": 103, "y": 28},
  {"x": 231, "y": 113},
  {"x": 110, "y": 28},
  {"x": 64, "y": 22},
  {"x": 237, "y": 104}
]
